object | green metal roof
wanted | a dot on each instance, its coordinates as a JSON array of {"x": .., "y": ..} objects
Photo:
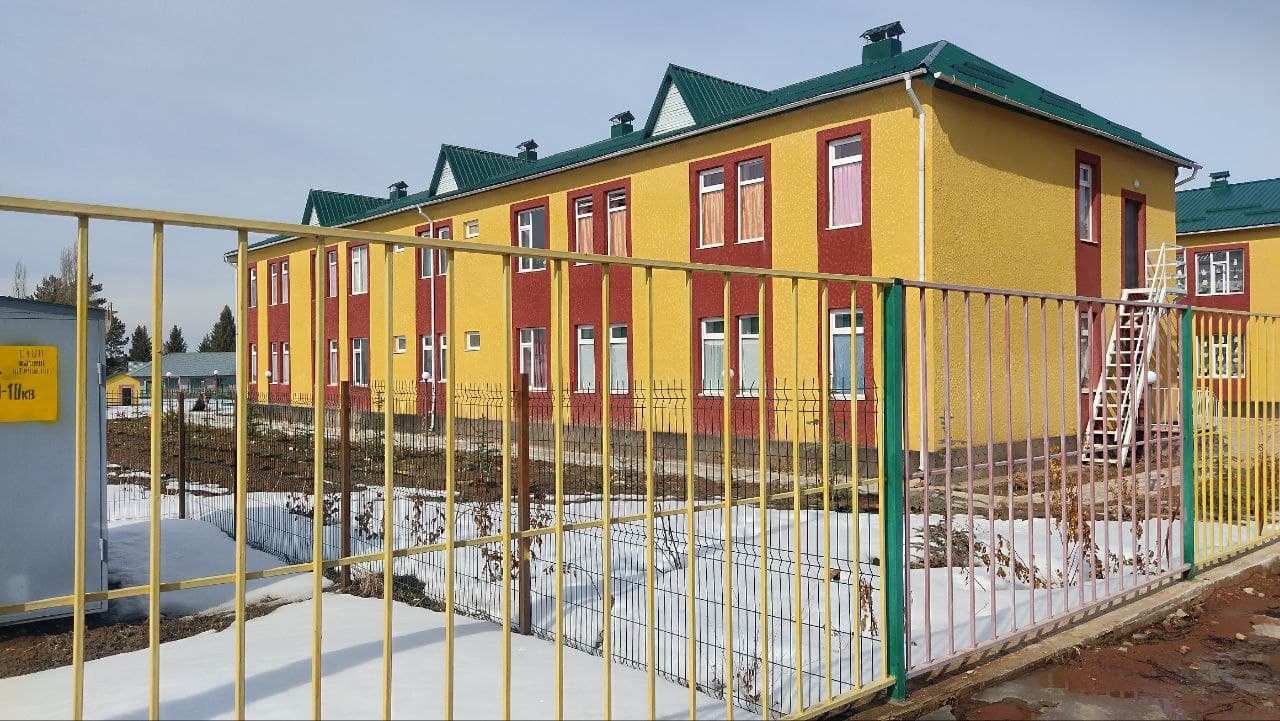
[
  {"x": 713, "y": 101},
  {"x": 1230, "y": 205},
  {"x": 332, "y": 207}
]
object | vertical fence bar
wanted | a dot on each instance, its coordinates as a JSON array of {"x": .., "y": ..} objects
[
  {"x": 691, "y": 499},
  {"x": 1188, "y": 448},
  {"x": 893, "y": 510},
  {"x": 797, "y": 558},
  {"x": 317, "y": 516},
  {"x": 505, "y": 346},
  {"x": 242, "y": 457},
  {"x": 651, "y": 613},
  {"x": 81, "y": 469},
  {"x": 726, "y": 447},
  {"x": 605, "y": 386},
  {"x": 344, "y": 473},
  {"x": 182, "y": 447},
  {"x": 855, "y": 491},
  {"x": 557, "y": 404},
  {"x": 945, "y": 362},
  {"x": 524, "y": 545},
  {"x": 388, "y": 472},
  {"x": 450, "y": 477},
  {"x": 157, "y": 470},
  {"x": 968, "y": 430},
  {"x": 762, "y": 460},
  {"x": 824, "y": 447}
]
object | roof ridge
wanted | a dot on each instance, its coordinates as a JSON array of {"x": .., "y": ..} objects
[
  {"x": 709, "y": 76},
  {"x": 1232, "y": 184},
  {"x": 494, "y": 153}
]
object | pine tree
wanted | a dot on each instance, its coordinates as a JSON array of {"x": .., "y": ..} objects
[
  {"x": 117, "y": 359},
  {"x": 176, "y": 343},
  {"x": 140, "y": 347},
  {"x": 223, "y": 336}
]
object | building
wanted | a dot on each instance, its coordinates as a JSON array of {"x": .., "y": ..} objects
[
  {"x": 929, "y": 163},
  {"x": 1232, "y": 235},
  {"x": 189, "y": 372}
]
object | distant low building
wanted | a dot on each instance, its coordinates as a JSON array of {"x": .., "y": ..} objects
[{"x": 183, "y": 371}]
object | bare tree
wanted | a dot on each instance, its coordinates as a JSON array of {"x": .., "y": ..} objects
[{"x": 19, "y": 280}]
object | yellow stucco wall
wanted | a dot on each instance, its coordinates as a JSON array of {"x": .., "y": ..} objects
[{"x": 118, "y": 382}]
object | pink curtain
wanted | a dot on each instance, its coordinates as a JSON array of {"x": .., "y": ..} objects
[{"x": 846, "y": 194}]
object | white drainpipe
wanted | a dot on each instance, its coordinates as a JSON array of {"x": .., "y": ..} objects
[
  {"x": 920, "y": 119},
  {"x": 431, "y": 231}
]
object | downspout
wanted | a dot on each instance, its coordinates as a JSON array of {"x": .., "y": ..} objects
[
  {"x": 920, "y": 160},
  {"x": 431, "y": 232}
]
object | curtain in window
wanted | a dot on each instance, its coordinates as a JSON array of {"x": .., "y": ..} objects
[
  {"x": 585, "y": 230},
  {"x": 840, "y": 363},
  {"x": 713, "y": 365},
  {"x": 712, "y": 217},
  {"x": 618, "y": 375},
  {"x": 751, "y": 211},
  {"x": 1084, "y": 212},
  {"x": 748, "y": 365},
  {"x": 846, "y": 194},
  {"x": 586, "y": 364},
  {"x": 540, "y": 375},
  {"x": 618, "y": 233}
]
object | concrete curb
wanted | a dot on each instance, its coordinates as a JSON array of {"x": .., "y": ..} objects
[{"x": 1126, "y": 615}]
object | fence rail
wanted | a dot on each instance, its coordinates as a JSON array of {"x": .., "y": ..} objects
[{"x": 784, "y": 544}]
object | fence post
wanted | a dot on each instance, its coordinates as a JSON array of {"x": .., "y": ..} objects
[
  {"x": 893, "y": 422},
  {"x": 522, "y": 503},
  {"x": 182, "y": 455},
  {"x": 1188, "y": 444},
  {"x": 344, "y": 472}
]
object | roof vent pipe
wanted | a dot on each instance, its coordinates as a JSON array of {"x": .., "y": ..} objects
[
  {"x": 528, "y": 150},
  {"x": 398, "y": 189},
  {"x": 621, "y": 124},
  {"x": 882, "y": 42},
  {"x": 1219, "y": 179}
]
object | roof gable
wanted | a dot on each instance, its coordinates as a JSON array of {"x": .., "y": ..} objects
[
  {"x": 1234, "y": 205},
  {"x": 687, "y": 98},
  {"x": 469, "y": 168},
  {"x": 328, "y": 207}
]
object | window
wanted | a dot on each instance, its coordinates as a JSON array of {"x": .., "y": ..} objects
[
  {"x": 748, "y": 355},
  {"x": 253, "y": 362},
  {"x": 847, "y": 344},
  {"x": 751, "y": 200},
  {"x": 531, "y": 230},
  {"x": 428, "y": 359},
  {"x": 1220, "y": 272},
  {"x": 445, "y": 233},
  {"x": 333, "y": 361},
  {"x": 533, "y": 356},
  {"x": 284, "y": 281},
  {"x": 473, "y": 340},
  {"x": 253, "y": 287},
  {"x": 273, "y": 370},
  {"x": 444, "y": 358},
  {"x": 1085, "y": 348},
  {"x": 333, "y": 273},
  {"x": 1085, "y": 200},
  {"x": 1221, "y": 356},
  {"x": 711, "y": 208},
  {"x": 274, "y": 288},
  {"x": 586, "y": 350},
  {"x": 584, "y": 225},
  {"x": 844, "y": 182},
  {"x": 360, "y": 361},
  {"x": 284, "y": 363},
  {"x": 360, "y": 270},
  {"x": 471, "y": 229},
  {"x": 617, "y": 206},
  {"x": 712, "y": 356},
  {"x": 402, "y": 344},
  {"x": 426, "y": 262},
  {"x": 618, "y": 372}
]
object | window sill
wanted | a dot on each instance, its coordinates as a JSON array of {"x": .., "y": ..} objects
[
  {"x": 709, "y": 247},
  {"x": 747, "y": 241},
  {"x": 1219, "y": 295},
  {"x": 844, "y": 227},
  {"x": 1086, "y": 241},
  {"x": 363, "y": 292}
]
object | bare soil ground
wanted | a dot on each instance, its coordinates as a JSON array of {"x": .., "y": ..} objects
[{"x": 1219, "y": 659}]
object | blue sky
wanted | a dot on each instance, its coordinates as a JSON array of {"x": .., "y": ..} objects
[{"x": 238, "y": 108}]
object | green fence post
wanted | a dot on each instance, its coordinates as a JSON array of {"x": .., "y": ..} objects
[
  {"x": 892, "y": 542},
  {"x": 1188, "y": 445}
]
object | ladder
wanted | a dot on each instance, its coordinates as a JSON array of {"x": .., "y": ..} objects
[{"x": 1121, "y": 386}]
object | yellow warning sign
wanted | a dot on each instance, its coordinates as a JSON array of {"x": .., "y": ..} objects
[{"x": 28, "y": 383}]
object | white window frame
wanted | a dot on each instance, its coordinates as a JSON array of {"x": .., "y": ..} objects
[
  {"x": 253, "y": 362},
  {"x": 585, "y": 339},
  {"x": 426, "y": 260},
  {"x": 704, "y": 189},
  {"x": 1084, "y": 183},
  {"x": 443, "y": 360},
  {"x": 610, "y": 209},
  {"x": 579, "y": 215},
  {"x": 1213, "y": 344},
  {"x": 360, "y": 270},
  {"x": 855, "y": 330},
  {"x": 253, "y": 287},
  {"x": 285, "y": 365},
  {"x": 402, "y": 344},
  {"x": 333, "y": 371},
  {"x": 273, "y": 369},
  {"x": 471, "y": 229},
  {"x": 742, "y": 184},
  {"x": 743, "y": 336},
  {"x": 623, "y": 339},
  {"x": 832, "y": 163},
  {"x": 708, "y": 335},
  {"x": 284, "y": 282},
  {"x": 274, "y": 291},
  {"x": 427, "y": 358},
  {"x": 360, "y": 362},
  {"x": 524, "y": 239},
  {"x": 1220, "y": 270},
  {"x": 529, "y": 342},
  {"x": 442, "y": 262},
  {"x": 473, "y": 340},
  {"x": 331, "y": 260}
]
